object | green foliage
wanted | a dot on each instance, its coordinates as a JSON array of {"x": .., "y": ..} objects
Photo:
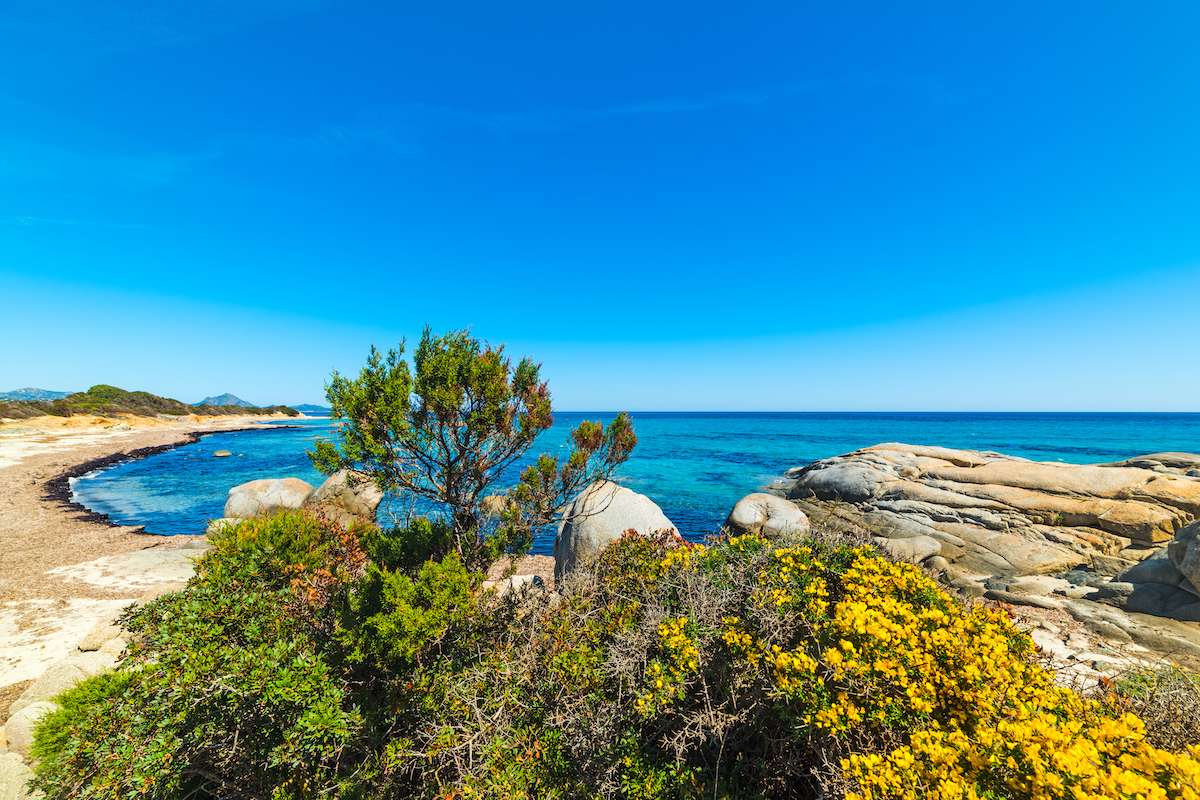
[
  {"x": 105, "y": 400},
  {"x": 408, "y": 547},
  {"x": 445, "y": 430},
  {"x": 224, "y": 692},
  {"x": 281, "y": 671},
  {"x": 306, "y": 661},
  {"x": 394, "y": 620},
  {"x": 272, "y": 552}
]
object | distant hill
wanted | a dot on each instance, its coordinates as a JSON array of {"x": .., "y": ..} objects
[
  {"x": 104, "y": 400},
  {"x": 226, "y": 399},
  {"x": 315, "y": 410},
  {"x": 30, "y": 393}
]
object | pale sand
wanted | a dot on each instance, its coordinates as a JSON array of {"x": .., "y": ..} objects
[
  {"x": 62, "y": 570},
  {"x": 35, "y": 634}
]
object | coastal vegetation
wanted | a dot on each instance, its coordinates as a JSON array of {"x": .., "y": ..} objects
[
  {"x": 311, "y": 659},
  {"x": 104, "y": 400},
  {"x": 305, "y": 660},
  {"x": 447, "y": 430}
]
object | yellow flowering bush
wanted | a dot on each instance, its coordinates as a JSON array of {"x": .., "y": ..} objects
[
  {"x": 894, "y": 654},
  {"x": 996, "y": 723},
  {"x": 854, "y": 660},
  {"x": 665, "y": 675}
]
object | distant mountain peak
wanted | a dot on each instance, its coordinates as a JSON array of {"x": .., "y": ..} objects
[
  {"x": 312, "y": 409},
  {"x": 226, "y": 399},
  {"x": 32, "y": 393}
]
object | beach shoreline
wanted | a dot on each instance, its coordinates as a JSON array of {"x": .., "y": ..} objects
[
  {"x": 64, "y": 568},
  {"x": 61, "y": 487}
]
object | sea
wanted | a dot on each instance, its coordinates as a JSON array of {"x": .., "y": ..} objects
[{"x": 694, "y": 465}]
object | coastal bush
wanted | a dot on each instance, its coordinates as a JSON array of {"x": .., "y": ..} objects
[
  {"x": 447, "y": 430},
  {"x": 751, "y": 669},
  {"x": 105, "y": 400},
  {"x": 304, "y": 660},
  {"x": 1167, "y": 700},
  {"x": 25, "y": 409},
  {"x": 223, "y": 692}
]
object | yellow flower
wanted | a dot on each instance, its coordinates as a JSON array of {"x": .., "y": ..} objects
[{"x": 981, "y": 716}]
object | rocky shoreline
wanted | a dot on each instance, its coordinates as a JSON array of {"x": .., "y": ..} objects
[{"x": 1099, "y": 560}]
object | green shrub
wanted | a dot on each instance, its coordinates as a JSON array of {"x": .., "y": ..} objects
[
  {"x": 224, "y": 692},
  {"x": 1167, "y": 700},
  {"x": 393, "y": 620},
  {"x": 308, "y": 661},
  {"x": 408, "y": 547},
  {"x": 448, "y": 428}
]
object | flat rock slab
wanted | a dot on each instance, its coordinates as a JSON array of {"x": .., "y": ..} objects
[
  {"x": 138, "y": 571},
  {"x": 37, "y": 633},
  {"x": 540, "y": 566},
  {"x": 1178, "y": 463},
  {"x": 14, "y": 774},
  {"x": 1007, "y": 524},
  {"x": 1032, "y": 516}
]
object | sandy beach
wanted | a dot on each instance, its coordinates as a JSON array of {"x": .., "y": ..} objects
[{"x": 63, "y": 569}]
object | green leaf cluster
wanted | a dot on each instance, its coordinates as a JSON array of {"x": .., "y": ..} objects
[{"x": 447, "y": 428}]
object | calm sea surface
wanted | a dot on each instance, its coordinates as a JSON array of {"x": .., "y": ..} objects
[{"x": 694, "y": 465}]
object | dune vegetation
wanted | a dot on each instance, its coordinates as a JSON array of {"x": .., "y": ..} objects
[{"x": 104, "y": 400}]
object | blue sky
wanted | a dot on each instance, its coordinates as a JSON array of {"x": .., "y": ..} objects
[{"x": 691, "y": 206}]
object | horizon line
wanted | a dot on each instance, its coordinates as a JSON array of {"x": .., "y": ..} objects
[{"x": 867, "y": 411}]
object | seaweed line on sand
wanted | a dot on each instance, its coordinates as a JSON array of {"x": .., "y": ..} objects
[{"x": 58, "y": 488}]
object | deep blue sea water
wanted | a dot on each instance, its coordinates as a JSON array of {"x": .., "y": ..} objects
[{"x": 694, "y": 465}]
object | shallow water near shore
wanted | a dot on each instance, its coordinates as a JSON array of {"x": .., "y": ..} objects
[{"x": 694, "y": 465}]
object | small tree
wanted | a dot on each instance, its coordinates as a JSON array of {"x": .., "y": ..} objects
[{"x": 447, "y": 429}]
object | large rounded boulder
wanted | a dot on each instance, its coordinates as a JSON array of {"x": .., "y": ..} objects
[
  {"x": 767, "y": 514},
  {"x": 19, "y": 728},
  {"x": 346, "y": 498},
  {"x": 601, "y": 514},
  {"x": 840, "y": 479},
  {"x": 261, "y": 497}
]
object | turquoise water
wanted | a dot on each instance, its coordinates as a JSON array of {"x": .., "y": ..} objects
[{"x": 694, "y": 465}]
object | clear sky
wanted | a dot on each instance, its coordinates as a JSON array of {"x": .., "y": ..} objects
[{"x": 672, "y": 206}]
